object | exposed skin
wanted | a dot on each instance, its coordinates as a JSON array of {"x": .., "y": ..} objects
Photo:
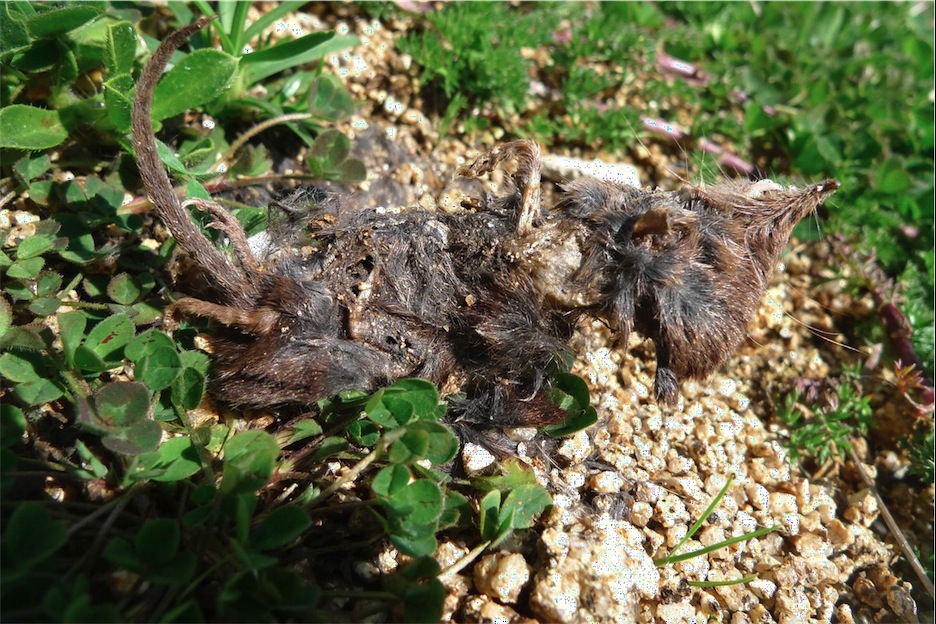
[{"x": 483, "y": 300}]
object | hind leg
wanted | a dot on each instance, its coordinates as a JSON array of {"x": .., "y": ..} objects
[{"x": 527, "y": 176}]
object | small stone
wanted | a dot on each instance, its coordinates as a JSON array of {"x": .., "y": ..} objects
[
  {"x": 607, "y": 482},
  {"x": 781, "y": 503},
  {"x": 641, "y": 513},
  {"x": 575, "y": 449},
  {"x": 477, "y": 459},
  {"x": 843, "y": 614},
  {"x": 763, "y": 588},
  {"x": 678, "y": 613},
  {"x": 812, "y": 546},
  {"x": 502, "y": 576},
  {"x": 901, "y": 602},
  {"x": 483, "y": 609},
  {"x": 449, "y": 553},
  {"x": 758, "y": 495},
  {"x": 862, "y": 508},
  {"x": 867, "y": 593}
]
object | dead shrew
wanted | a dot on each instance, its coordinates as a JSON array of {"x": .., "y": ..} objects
[{"x": 484, "y": 299}]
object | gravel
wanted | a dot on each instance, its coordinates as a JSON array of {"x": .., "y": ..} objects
[{"x": 627, "y": 490}]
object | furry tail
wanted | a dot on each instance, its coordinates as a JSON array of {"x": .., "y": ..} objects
[{"x": 233, "y": 282}]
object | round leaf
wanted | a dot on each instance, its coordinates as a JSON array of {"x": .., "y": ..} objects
[
  {"x": 121, "y": 404},
  {"x": 253, "y": 452},
  {"x": 146, "y": 343},
  {"x": 158, "y": 541},
  {"x": 280, "y": 527},
  {"x": 425, "y": 499},
  {"x": 31, "y": 128},
  {"x": 109, "y": 337},
  {"x": 158, "y": 369},
  {"x": 30, "y": 536},
  {"x": 124, "y": 289},
  {"x": 525, "y": 504},
  {"x": 188, "y": 389}
]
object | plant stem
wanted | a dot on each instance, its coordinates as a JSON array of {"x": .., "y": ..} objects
[
  {"x": 260, "y": 127},
  {"x": 892, "y": 525},
  {"x": 459, "y": 565},
  {"x": 360, "y": 467}
]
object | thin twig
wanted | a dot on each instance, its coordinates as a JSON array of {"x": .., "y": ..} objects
[
  {"x": 459, "y": 565},
  {"x": 892, "y": 525},
  {"x": 260, "y": 127}
]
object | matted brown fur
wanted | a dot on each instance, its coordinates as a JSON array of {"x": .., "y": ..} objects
[{"x": 484, "y": 299}]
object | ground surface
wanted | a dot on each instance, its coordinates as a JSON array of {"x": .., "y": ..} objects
[{"x": 627, "y": 489}]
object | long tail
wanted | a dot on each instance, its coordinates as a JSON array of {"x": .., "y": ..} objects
[{"x": 232, "y": 281}]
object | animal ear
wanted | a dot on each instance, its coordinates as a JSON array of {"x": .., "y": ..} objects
[
  {"x": 660, "y": 221},
  {"x": 653, "y": 222}
]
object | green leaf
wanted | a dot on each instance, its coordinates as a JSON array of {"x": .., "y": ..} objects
[
  {"x": 158, "y": 541},
  {"x": 31, "y": 128},
  {"x": 188, "y": 389},
  {"x": 14, "y": 36},
  {"x": 124, "y": 289},
  {"x": 44, "y": 306},
  {"x": 120, "y": 552},
  {"x": 280, "y": 527},
  {"x": 525, "y": 504},
  {"x": 176, "y": 459},
  {"x": 168, "y": 158},
  {"x": 146, "y": 343},
  {"x": 87, "y": 360},
  {"x": 332, "y": 147},
  {"x": 488, "y": 509},
  {"x": 21, "y": 368},
  {"x": 442, "y": 443},
  {"x": 411, "y": 447},
  {"x": 422, "y": 543},
  {"x": 32, "y": 166},
  {"x": 196, "y": 359},
  {"x": 23, "y": 337},
  {"x": 120, "y": 48},
  {"x": 252, "y": 453},
  {"x": 574, "y": 423},
  {"x": 332, "y": 445},
  {"x": 28, "y": 370},
  {"x": 304, "y": 429},
  {"x": 391, "y": 480},
  {"x": 6, "y": 316},
  {"x": 424, "y": 500},
  {"x": 118, "y": 100},
  {"x": 80, "y": 241},
  {"x": 420, "y": 395},
  {"x": 135, "y": 439},
  {"x": 268, "y": 61},
  {"x": 48, "y": 284},
  {"x": 329, "y": 99},
  {"x": 159, "y": 368},
  {"x": 892, "y": 177},
  {"x": 26, "y": 269},
  {"x": 120, "y": 404},
  {"x": 199, "y": 78},
  {"x": 109, "y": 337},
  {"x": 350, "y": 171},
  {"x": 58, "y": 21},
  {"x": 12, "y": 424},
  {"x": 31, "y": 536}
]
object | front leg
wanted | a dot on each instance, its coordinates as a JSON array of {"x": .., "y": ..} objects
[{"x": 666, "y": 384}]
